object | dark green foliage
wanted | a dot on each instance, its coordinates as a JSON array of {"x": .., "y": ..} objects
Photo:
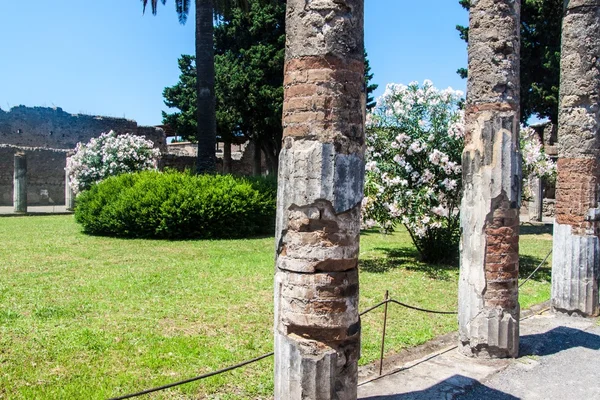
[
  {"x": 183, "y": 96},
  {"x": 541, "y": 22},
  {"x": 249, "y": 58},
  {"x": 370, "y": 87},
  {"x": 173, "y": 205}
]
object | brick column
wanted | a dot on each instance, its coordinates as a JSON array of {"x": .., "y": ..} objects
[
  {"x": 321, "y": 172},
  {"x": 20, "y": 183},
  {"x": 576, "y": 255},
  {"x": 489, "y": 267}
]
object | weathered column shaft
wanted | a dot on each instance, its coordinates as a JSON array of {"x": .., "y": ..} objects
[
  {"x": 576, "y": 255},
  {"x": 321, "y": 172},
  {"x": 535, "y": 206},
  {"x": 488, "y": 291},
  {"x": 69, "y": 195},
  {"x": 20, "y": 183}
]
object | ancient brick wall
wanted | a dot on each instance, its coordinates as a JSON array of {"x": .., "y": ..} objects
[
  {"x": 182, "y": 156},
  {"x": 55, "y": 128},
  {"x": 45, "y": 175},
  {"x": 45, "y": 135}
]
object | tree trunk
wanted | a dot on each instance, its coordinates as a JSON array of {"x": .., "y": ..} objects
[
  {"x": 256, "y": 160},
  {"x": 271, "y": 153},
  {"x": 205, "y": 68},
  {"x": 576, "y": 244},
  {"x": 226, "y": 157},
  {"x": 488, "y": 311},
  {"x": 320, "y": 188}
]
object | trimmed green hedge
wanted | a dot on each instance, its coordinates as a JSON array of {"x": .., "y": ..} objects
[{"x": 176, "y": 205}]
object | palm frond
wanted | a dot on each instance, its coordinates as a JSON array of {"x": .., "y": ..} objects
[
  {"x": 153, "y": 5},
  {"x": 183, "y": 9}
]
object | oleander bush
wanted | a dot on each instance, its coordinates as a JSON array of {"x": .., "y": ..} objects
[
  {"x": 173, "y": 205},
  {"x": 415, "y": 137},
  {"x": 109, "y": 155}
]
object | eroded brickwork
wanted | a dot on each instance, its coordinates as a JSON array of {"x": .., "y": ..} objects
[
  {"x": 577, "y": 195},
  {"x": 576, "y": 243},
  {"x": 321, "y": 171},
  {"x": 488, "y": 290},
  {"x": 322, "y": 95},
  {"x": 502, "y": 258}
]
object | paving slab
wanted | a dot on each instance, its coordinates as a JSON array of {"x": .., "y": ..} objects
[{"x": 559, "y": 358}]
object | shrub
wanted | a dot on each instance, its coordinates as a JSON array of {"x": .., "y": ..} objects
[
  {"x": 109, "y": 155},
  {"x": 413, "y": 172},
  {"x": 173, "y": 205},
  {"x": 535, "y": 161}
]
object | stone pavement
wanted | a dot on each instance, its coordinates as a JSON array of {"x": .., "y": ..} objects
[
  {"x": 35, "y": 210},
  {"x": 559, "y": 358}
]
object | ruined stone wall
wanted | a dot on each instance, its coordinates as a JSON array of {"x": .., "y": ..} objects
[
  {"x": 45, "y": 175},
  {"x": 54, "y": 128},
  {"x": 155, "y": 135},
  {"x": 45, "y": 135},
  {"x": 182, "y": 156}
]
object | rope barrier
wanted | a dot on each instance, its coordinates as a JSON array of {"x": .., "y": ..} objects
[
  {"x": 422, "y": 309},
  {"x": 368, "y": 310},
  {"x": 156, "y": 389},
  {"x": 535, "y": 270}
]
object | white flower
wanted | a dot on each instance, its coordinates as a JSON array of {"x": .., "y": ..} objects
[
  {"x": 107, "y": 155},
  {"x": 371, "y": 166}
]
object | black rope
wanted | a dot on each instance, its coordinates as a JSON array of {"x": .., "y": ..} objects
[
  {"x": 170, "y": 385},
  {"x": 368, "y": 310},
  {"x": 535, "y": 270},
  {"x": 422, "y": 309}
]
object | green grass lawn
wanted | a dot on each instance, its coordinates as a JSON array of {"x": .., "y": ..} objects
[{"x": 91, "y": 317}]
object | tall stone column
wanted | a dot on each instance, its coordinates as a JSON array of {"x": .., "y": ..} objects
[
  {"x": 536, "y": 204},
  {"x": 576, "y": 255},
  {"x": 69, "y": 195},
  {"x": 20, "y": 183},
  {"x": 321, "y": 172},
  {"x": 489, "y": 260}
]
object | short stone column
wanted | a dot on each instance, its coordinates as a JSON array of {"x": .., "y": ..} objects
[
  {"x": 69, "y": 195},
  {"x": 320, "y": 188},
  {"x": 489, "y": 261},
  {"x": 576, "y": 255},
  {"x": 20, "y": 183},
  {"x": 535, "y": 206}
]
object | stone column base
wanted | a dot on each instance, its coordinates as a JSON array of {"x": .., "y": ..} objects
[{"x": 575, "y": 272}]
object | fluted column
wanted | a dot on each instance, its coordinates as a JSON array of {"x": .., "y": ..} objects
[
  {"x": 69, "y": 195},
  {"x": 489, "y": 260},
  {"x": 20, "y": 183},
  {"x": 321, "y": 172},
  {"x": 576, "y": 255}
]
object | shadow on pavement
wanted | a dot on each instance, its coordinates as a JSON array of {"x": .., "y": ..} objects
[
  {"x": 557, "y": 340},
  {"x": 448, "y": 389}
]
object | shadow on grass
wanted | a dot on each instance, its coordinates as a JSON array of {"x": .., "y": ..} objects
[
  {"x": 529, "y": 229},
  {"x": 370, "y": 231},
  {"x": 527, "y": 264},
  {"x": 407, "y": 258}
]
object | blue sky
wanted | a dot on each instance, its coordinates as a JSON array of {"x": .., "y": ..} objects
[{"x": 106, "y": 58}]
